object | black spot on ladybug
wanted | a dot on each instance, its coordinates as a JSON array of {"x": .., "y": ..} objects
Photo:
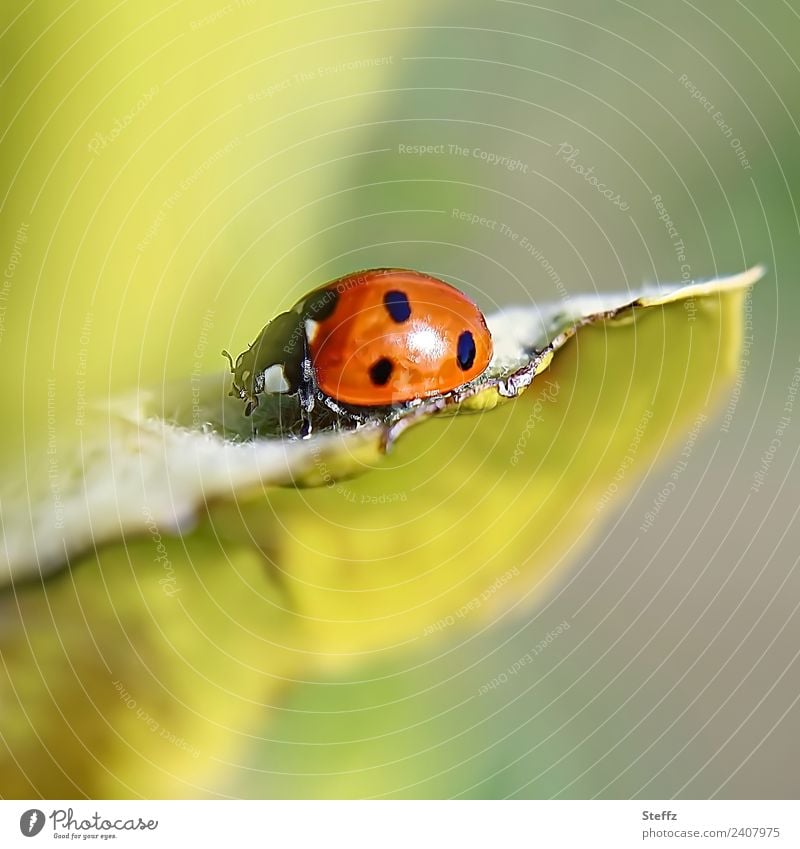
[
  {"x": 380, "y": 371},
  {"x": 323, "y": 304},
  {"x": 397, "y": 305},
  {"x": 465, "y": 352}
]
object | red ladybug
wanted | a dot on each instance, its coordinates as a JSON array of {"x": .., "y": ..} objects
[{"x": 377, "y": 338}]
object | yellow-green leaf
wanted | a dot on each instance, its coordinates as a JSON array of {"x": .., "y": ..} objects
[{"x": 143, "y": 667}]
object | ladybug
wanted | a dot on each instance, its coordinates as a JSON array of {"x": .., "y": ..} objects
[{"x": 373, "y": 339}]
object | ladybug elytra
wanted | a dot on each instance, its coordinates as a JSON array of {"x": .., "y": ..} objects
[{"x": 373, "y": 339}]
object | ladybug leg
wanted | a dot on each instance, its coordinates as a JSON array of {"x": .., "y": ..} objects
[
  {"x": 306, "y": 408},
  {"x": 306, "y": 392},
  {"x": 334, "y": 407},
  {"x": 348, "y": 416}
]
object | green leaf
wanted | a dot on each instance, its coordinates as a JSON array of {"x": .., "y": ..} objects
[
  {"x": 156, "y": 458},
  {"x": 203, "y": 630}
]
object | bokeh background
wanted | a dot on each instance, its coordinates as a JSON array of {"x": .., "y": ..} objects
[{"x": 174, "y": 174}]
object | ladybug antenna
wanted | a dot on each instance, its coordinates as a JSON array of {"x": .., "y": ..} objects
[{"x": 230, "y": 360}]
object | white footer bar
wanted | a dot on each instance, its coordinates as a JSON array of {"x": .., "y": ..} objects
[{"x": 403, "y": 824}]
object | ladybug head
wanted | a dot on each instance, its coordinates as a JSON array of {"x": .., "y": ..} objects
[{"x": 242, "y": 385}]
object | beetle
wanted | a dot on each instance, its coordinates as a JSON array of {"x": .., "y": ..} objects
[{"x": 379, "y": 338}]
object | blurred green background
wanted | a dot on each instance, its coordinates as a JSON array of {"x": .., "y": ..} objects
[{"x": 175, "y": 174}]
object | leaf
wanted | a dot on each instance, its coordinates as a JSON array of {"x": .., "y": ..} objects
[
  {"x": 158, "y": 458},
  {"x": 144, "y": 667}
]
